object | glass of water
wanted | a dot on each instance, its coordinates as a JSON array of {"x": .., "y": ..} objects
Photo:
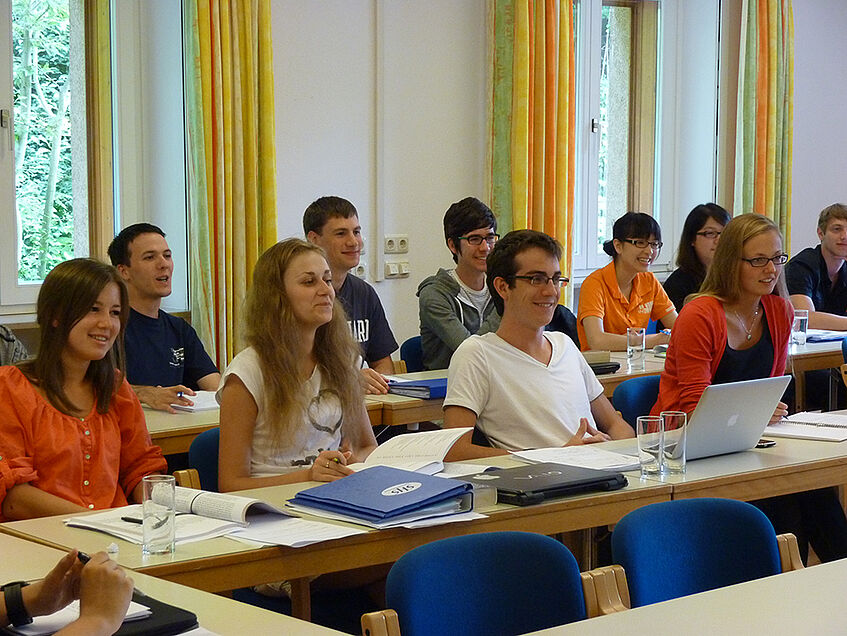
[
  {"x": 800, "y": 326},
  {"x": 673, "y": 441},
  {"x": 158, "y": 520},
  {"x": 635, "y": 341},
  {"x": 649, "y": 429}
]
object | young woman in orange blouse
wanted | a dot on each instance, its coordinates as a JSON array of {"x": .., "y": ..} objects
[{"x": 72, "y": 432}]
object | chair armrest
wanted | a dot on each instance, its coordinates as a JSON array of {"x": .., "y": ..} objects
[
  {"x": 605, "y": 590},
  {"x": 399, "y": 366},
  {"x": 384, "y": 623},
  {"x": 188, "y": 478},
  {"x": 789, "y": 553}
]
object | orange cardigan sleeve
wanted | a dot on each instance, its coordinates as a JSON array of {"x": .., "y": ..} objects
[{"x": 139, "y": 457}]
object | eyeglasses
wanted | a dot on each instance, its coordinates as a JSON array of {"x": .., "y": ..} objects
[
  {"x": 540, "y": 280},
  {"x": 709, "y": 234},
  {"x": 642, "y": 243},
  {"x": 761, "y": 261},
  {"x": 476, "y": 239}
]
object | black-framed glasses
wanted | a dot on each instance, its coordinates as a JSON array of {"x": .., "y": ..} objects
[
  {"x": 709, "y": 234},
  {"x": 541, "y": 280},
  {"x": 642, "y": 243},
  {"x": 476, "y": 239},
  {"x": 761, "y": 261}
]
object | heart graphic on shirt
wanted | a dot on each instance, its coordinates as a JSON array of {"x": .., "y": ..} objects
[{"x": 323, "y": 409}]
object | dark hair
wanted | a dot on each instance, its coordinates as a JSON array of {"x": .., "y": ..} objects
[
  {"x": 67, "y": 295},
  {"x": 501, "y": 259},
  {"x": 465, "y": 216},
  {"x": 119, "y": 247},
  {"x": 686, "y": 257},
  {"x": 632, "y": 225},
  {"x": 322, "y": 210}
]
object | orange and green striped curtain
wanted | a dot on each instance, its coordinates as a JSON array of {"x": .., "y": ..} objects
[
  {"x": 232, "y": 169},
  {"x": 765, "y": 112},
  {"x": 532, "y": 117}
]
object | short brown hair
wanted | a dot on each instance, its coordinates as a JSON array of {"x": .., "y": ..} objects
[{"x": 834, "y": 211}]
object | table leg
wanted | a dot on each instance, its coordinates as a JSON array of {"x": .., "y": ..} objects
[
  {"x": 301, "y": 599},
  {"x": 800, "y": 391}
]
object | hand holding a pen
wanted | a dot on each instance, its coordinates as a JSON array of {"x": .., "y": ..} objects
[
  {"x": 160, "y": 398},
  {"x": 330, "y": 465}
]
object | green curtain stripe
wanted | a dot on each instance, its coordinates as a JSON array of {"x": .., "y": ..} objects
[
  {"x": 200, "y": 267},
  {"x": 501, "y": 116}
]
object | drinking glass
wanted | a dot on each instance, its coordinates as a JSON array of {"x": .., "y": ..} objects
[
  {"x": 800, "y": 326},
  {"x": 673, "y": 442},
  {"x": 649, "y": 429},
  {"x": 158, "y": 521},
  {"x": 635, "y": 341}
]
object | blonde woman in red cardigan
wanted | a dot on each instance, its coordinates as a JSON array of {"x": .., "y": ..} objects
[{"x": 736, "y": 329}]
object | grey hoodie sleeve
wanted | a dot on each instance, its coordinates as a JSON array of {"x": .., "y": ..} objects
[{"x": 439, "y": 315}]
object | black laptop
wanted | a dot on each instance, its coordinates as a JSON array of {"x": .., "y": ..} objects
[{"x": 534, "y": 483}]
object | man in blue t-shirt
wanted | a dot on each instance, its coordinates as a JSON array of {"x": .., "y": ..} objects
[
  {"x": 165, "y": 360},
  {"x": 332, "y": 223}
]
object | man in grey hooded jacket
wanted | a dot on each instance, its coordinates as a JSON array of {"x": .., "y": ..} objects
[{"x": 455, "y": 304}]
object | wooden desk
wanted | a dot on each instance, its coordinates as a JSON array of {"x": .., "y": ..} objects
[
  {"x": 793, "y": 465},
  {"x": 653, "y": 365},
  {"x": 26, "y": 560},
  {"x": 222, "y": 564},
  {"x": 811, "y": 357},
  {"x": 809, "y": 601},
  {"x": 174, "y": 432},
  {"x": 398, "y": 410}
]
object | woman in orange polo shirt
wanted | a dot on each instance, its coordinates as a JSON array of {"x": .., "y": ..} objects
[
  {"x": 625, "y": 293},
  {"x": 72, "y": 432}
]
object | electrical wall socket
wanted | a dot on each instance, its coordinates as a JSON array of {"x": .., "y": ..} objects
[
  {"x": 361, "y": 270},
  {"x": 396, "y": 244},
  {"x": 397, "y": 269}
]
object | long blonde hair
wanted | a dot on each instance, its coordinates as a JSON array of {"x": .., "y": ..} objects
[
  {"x": 723, "y": 280},
  {"x": 271, "y": 329}
]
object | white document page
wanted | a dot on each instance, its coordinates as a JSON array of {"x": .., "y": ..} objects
[
  {"x": 587, "y": 456},
  {"x": 421, "y": 449},
  {"x": 292, "y": 531},
  {"x": 203, "y": 401}
]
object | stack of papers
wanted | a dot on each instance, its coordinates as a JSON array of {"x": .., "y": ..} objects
[
  {"x": 203, "y": 401},
  {"x": 52, "y": 623},
  {"x": 824, "y": 335},
  {"x": 586, "y": 456}
]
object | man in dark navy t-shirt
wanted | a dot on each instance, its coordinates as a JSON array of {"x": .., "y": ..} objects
[
  {"x": 817, "y": 277},
  {"x": 332, "y": 223},
  {"x": 165, "y": 360}
]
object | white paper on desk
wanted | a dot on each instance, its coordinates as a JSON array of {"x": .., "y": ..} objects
[
  {"x": 189, "y": 527},
  {"x": 438, "y": 513},
  {"x": 292, "y": 531},
  {"x": 52, "y": 623},
  {"x": 422, "y": 452},
  {"x": 587, "y": 456},
  {"x": 203, "y": 401},
  {"x": 462, "y": 469}
]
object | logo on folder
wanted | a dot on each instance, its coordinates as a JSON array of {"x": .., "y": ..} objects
[{"x": 401, "y": 489}]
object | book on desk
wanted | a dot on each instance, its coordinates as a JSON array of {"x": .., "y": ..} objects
[
  {"x": 422, "y": 389},
  {"x": 830, "y": 427}
]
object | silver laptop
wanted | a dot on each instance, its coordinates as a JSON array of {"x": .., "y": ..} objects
[{"x": 732, "y": 417}]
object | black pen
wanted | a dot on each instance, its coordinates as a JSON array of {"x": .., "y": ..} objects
[
  {"x": 132, "y": 520},
  {"x": 82, "y": 556}
]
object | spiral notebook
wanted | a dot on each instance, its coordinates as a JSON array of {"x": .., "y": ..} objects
[{"x": 831, "y": 427}]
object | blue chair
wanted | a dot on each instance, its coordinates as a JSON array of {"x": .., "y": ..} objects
[
  {"x": 203, "y": 457},
  {"x": 636, "y": 396},
  {"x": 412, "y": 354},
  {"x": 685, "y": 546},
  {"x": 483, "y": 584}
]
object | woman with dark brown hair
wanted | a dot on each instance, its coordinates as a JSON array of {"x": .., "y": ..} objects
[{"x": 72, "y": 432}]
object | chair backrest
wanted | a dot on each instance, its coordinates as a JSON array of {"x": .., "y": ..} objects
[
  {"x": 636, "y": 396},
  {"x": 481, "y": 584},
  {"x": 686, "y": 546},
  {"x": 203, "y": 456},
  {"x": 844, "y": 349},
  {"x": 412, "y": 353}
]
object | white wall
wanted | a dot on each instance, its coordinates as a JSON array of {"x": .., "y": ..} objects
[
  {"x": 382, "y": 103},
  {"x": 820, "y": 127}
]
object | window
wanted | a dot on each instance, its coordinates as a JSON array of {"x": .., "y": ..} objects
[
  {"x": 44, "y": 162},
  {"x": 646, "y": 112},
  {"x": 43, "y": 143}
]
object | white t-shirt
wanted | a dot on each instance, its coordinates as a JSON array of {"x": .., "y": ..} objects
[
  {"x": 478, "y": 299},
  {"x": 521, "y": 403},
  {"x": 320, "y": 430}
]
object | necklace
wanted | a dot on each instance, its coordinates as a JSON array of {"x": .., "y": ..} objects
[{"x": 744, "y": 324}]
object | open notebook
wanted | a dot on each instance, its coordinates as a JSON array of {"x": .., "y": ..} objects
[{"x": 831, "y": 427}]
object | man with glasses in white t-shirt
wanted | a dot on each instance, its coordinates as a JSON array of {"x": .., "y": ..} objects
[
  {"x": 456, "y": 303},
  {"x": 524, "y": 387}
]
